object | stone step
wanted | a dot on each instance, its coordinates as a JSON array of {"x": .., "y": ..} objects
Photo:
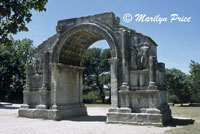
[
  {"x": 120, "y": 110},
  {"x": 150, "y": 110},
  {"x": 135, "y": 118}
]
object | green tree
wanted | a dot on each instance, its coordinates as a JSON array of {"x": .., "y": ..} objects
[
  {"x": 178, "y": 85},
  {"x": 15, "y": 14},
  {"x": 105, "y": 80},
  {"x": 13, "y": 61},
  {"x": 96, "y": 71},
  {"x": 195, "y": 80}
]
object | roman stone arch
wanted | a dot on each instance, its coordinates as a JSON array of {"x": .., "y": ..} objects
[
  {"x": 54, "y": 80},
  {"x": 90, "y": 33},
  {"x": 73, "y": 42}
]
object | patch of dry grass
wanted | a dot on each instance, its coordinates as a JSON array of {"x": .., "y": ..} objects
[
  {"x": 97, "y": 105},
  {"x": 188, "y": 112}
]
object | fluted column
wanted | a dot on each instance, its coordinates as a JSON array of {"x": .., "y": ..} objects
[{"x": 125, "y": 84}]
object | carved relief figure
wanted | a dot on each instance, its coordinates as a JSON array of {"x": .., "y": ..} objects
[
  {"x": 139, "y": 55},
  {"x": 143, "y": 56}
]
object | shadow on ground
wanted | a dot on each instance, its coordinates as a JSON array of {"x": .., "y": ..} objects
[
  {"x": 191, "y": 105},
  {"x": 8, "y": 107},
  {"x": 179, "y": 122},
  {"x": 89, "y": 118},
  {"x": 185, "y": 105}
]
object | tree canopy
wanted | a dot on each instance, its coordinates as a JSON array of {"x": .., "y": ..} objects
[
  {"x": 177, "y": 84},
  {"x": 13, "y": 61},
  {"x": 15, "y": 14},
  {"x": 96, "y": 75},
  {"x": 195, "y": 80},
  {"x": 184, "y": 88}
]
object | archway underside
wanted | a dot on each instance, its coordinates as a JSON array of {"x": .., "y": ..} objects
[{"x": 75, "y": 46}]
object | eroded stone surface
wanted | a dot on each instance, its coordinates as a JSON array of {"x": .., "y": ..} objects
[{"x": 54, "y": 82}]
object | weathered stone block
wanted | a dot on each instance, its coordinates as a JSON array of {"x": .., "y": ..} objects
[
  {"x": 124, "y": 110},
  {"x": 142, "y": 117},
  {"x": 53, "y": 114},
  {"x": 26, "y": 112},
  {"x": 155, "y": 118}
]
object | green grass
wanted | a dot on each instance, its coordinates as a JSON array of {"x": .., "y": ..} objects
[
  {"x": 190, "y": 129},
  {"x": 188, "y": 112}
]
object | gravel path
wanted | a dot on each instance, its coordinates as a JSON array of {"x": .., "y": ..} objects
[{"x": 93, "y": 124}]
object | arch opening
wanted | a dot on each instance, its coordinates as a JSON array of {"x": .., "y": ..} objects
[
  {"x": 74, "y": 41},
  {"x": 68, "y": 71},
  {"x": 75, "y": 46},
  {"x": 78, "y": 39},
  {"x": 96, "y": 75},
  {"x": 71, "y": 54}
]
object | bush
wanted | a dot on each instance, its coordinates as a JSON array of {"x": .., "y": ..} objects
[{"x": 173, "y": 99}]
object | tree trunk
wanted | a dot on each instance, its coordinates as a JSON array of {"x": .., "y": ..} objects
[{"x": 100, "y": 89}]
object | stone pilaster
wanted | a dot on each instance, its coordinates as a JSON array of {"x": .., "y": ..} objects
[
  {"x": 29, "y": 70},
  {"x": 54, "y": 73},
  {"x": 81, "y": 86},
  {"x": 114, "y": 83},
  {"x": 45, "y": 85},
  {"x": 152, "y": 73}
]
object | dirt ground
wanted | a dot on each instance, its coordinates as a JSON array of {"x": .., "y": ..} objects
[{"x": 10, "y": 123}]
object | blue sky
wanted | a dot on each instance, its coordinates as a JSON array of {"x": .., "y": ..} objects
[{"x": 178, "y": 42}]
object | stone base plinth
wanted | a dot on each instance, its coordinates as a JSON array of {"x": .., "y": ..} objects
[
  {"x": 53, "y": 114},
  {"x": 140, "y": 107},
  {"x": 148, "y": 117},
  {"x": 138, "y": 99},
  {"x": 134, "y": 118}
]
